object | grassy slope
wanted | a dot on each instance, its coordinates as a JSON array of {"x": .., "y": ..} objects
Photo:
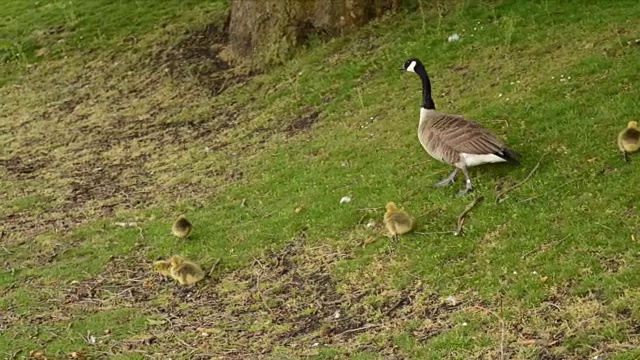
[{"x": 557, "y": 258}]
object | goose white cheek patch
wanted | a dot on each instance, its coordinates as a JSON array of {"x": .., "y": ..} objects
[{"x": 412, "y": 67}]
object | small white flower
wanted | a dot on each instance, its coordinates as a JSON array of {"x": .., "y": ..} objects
[{"x": 345, "y": 200}]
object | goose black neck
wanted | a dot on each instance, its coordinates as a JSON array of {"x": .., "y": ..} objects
[{"x": 427, "y": 100}]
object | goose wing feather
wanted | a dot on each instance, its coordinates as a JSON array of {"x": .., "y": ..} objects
[{"x": 465, "y": 136}]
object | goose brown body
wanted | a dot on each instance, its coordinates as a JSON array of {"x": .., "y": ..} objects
[{"x": 457, "y": 141}]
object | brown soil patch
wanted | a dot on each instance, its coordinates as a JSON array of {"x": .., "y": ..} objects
[
  {"x": 287, "y": 299},
  {"x": 291, "y": 302},
  {"x": 198, "y": 57},
  {"x": 303, "y": 123}
]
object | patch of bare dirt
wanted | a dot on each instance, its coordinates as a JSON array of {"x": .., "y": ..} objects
[
  {"x": 303, "y": 123},
  {"x": 566, "y": 327},
  {"x": 198, "y": 56},
  {"x": 286, "y": 299},
  {"x": 291, "y": 302},
  {"x": 23, "y": 167}
]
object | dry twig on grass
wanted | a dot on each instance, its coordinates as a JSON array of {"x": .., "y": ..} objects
[
  {"x": 428, "y": 212},
  {"x": 371, "y": 209},
  {"x": 464, "y": 212},
  {"x": 502, "y": 193},
  {"x": 544, "y": 247},
  {"x": 213, "y": 267},
  {"x": 499, "y": 121},
  {"x": 264, "y": 302},
  {"x": 398, "y": 303},
  {"x": 433, "y": 232},
  {"x": 367, "y": 326}
]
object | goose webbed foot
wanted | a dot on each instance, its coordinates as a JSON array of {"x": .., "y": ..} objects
[
  {"x": 449, "y": 180},
  {"x": 466, "y": 190}
]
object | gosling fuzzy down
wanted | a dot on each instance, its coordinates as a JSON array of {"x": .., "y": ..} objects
[
  {"x": 185, "y": 272},
  {"x": 629, "y": 139},
  {"x": 163, "y": 267},
  {"x": 454, "y": 139},
  {"x": 181, "y": 227},
  {"x": 397, "y": 222}
]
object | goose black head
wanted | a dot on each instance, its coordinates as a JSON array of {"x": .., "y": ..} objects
[{"x": 411, "y": 65}]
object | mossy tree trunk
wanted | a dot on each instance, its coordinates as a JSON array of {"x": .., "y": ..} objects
[{"x": 264, "y": 32}]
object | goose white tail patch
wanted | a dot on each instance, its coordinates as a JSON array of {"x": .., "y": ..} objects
[
  {"x": 412, "y": 67},
  {"x": 479, "y": 159}
]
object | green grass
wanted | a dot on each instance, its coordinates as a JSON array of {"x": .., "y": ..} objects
[{"x": 96, "y": 132}]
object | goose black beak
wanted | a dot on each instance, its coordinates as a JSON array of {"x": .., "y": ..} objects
[{"x": 401, "y": 68}]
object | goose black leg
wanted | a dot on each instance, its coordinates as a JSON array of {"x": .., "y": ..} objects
[
  {"x": 626, "y": 156},
  {"x": 469, "y": 187},
  {"x": 449, "y": 180}
]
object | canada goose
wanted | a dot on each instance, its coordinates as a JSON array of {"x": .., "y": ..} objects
[
  {"x": 629, "y": 139},
  {"x": 453, "y": 139},
  {"x": 181, "y": 227},
  {"x": 397, "y": 221},
  {"x": 185, "y": 272}
]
